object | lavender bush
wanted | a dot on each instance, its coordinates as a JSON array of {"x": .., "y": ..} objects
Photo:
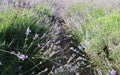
[{"x": 59, "y": 37}]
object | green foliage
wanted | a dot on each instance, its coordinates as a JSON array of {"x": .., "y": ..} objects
[
  {"x": 97, "y": 12},
  {"x": 107, "y": 26},
  {"x": 105, "y": 32},
  {"x": 43, "y": 8},
  {"x": 78, "y": 7},
  {"x": 99, "y": 33},
  {"x": 16, "y": 28},
  {"x": 14, "y": 41},
  {"x": 100, "y": 36}
]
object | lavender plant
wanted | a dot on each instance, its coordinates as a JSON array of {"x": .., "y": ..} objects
[{"x": 59, "y": 37}]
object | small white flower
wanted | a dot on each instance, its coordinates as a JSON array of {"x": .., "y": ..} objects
[
  {"x": 22, "y": 56},
  {"x": 28, "y": 31},
  {"x": 71, "y": 48},
  {"x": 38, "y": 45},
  {"x": 104, "y": 62},
  {"x": 36, "y": 36}
]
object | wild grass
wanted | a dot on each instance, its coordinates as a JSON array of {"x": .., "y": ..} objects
[
  {"x": 100, "y": 30},
  {"x": 21, "y": 35}
]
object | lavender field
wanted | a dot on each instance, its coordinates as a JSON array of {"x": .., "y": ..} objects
[{"x": 59, "y": 37}]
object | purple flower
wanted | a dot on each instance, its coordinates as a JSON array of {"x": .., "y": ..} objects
[
  {"x": 28, "y": 31},
  {"x": 113, "y": 72},
  {"x": 83, "y": 62},
  {"x": 22, "y": 57},
  {"x": 80, "y": 47},
  {"x": 110, "y": 64}
]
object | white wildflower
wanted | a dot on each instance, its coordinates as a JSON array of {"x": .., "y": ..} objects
[
  {"x": 36, "y": 36},
  {"x": 22, "y": 56},
  {"x": 28, "y": 31}
]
